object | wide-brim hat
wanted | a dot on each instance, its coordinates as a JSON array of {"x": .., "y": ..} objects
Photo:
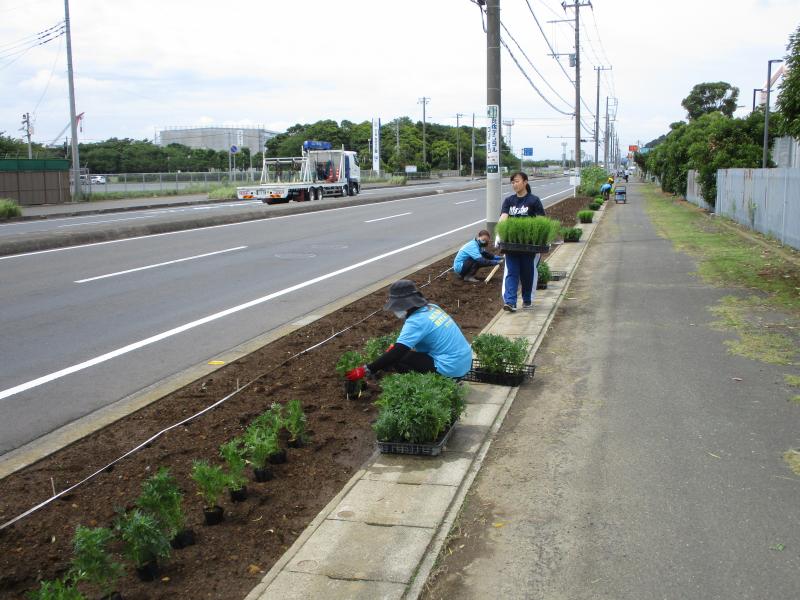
[{"x": 403, "y": 295}]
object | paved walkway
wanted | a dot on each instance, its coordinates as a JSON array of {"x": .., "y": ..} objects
[
  {"x": 644, "y": 461},
  {"x": 380, "y": 536}
]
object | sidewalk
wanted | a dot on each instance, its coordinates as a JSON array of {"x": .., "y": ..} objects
[
  {"x": 380, "y": 536},
  {"x": 644, "y": 461}
]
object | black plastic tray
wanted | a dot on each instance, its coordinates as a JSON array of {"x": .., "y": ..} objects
[
  {"x": 433, "y": 449},
  {"x": 558, "y": 275},
  {"x": 479, "y": 375},
  {"x": 523, "y": 248}
]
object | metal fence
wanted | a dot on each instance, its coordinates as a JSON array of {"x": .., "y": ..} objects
[
  {"x": 164, "y": 182},
  {"x": 766, "y": 200},
  {"x": 693, "y": 193}
]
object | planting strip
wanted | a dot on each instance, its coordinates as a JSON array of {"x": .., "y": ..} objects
[
  {"x": 203, "y": 411},
  {"x": 395, "y": 514}
]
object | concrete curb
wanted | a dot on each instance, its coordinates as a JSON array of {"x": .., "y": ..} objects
[
  {"x": 34, "y": 451},
  {"x": 49, "y": 242}
]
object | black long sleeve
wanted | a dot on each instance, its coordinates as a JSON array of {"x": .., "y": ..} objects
[{"x": 387, "y": 359}]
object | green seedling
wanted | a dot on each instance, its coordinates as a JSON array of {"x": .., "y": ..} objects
[
  {"x": 499, "y": 354},
  {"x": 585, "y": 216},
  {"x": 537, "y": 231},
  {"x": 543, "y": 270},
  {"x": 55, "y": 590},
  {"x": 233, "y": 454},
  {"x": 144, "y": 540},
  {"x": 571, "y": 234},
  {"x": 91, "y": 561},
  {"x": 296, "y": 421},
  {"x": 211, "y": 481},
  {"x": 161, "y": 498},
  {"x": 260, "y": 444}
]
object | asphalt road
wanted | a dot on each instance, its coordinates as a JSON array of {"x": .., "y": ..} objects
[{"x": 85, "y": 326}]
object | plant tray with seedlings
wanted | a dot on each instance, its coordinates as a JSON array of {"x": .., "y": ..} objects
[
  {"x": 523, "y": 248},
  {"x": 513, "y": 377},
  {"x": 558, "y": 275},
  {"x": 433, "y": 449}
]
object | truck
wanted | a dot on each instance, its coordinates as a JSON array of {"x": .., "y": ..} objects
[{"x": 318, "y": 173}]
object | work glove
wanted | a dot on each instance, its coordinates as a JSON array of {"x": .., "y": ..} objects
[
  {"x": 357, "y": 373},
  {"x": 389, "y": 348}
]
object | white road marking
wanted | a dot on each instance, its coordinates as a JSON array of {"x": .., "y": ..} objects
[
  {"x": 213, "y": 317},
  {"x": 169, "y": 262},
  {"x": 465, "y": 201},
  {"x": 384, "y": 218},
  {"x": 98, "y": 222}
]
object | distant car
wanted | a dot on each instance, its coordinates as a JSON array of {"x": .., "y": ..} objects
[
  {"x": 98, "y": 179},
  {"x": 566, "y": 172}
]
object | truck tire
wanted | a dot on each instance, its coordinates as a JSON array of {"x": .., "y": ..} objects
[
  {"x": 318, "y": 193},
  {"x": 353, "y": 189},
  {"x": 345, "y": 190}
]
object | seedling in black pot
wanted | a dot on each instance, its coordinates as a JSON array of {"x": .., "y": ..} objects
[
  {"x": 145, "y": 543},
  {"x": 295, "y": 422},
  {"x": 161, "y": 498},
  {"x": 91, "y": 561},
  {"x": 233, "y": 453},
  {"x": 211, "y": 481}
]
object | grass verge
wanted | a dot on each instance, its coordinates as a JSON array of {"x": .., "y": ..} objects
[{"x": 9, "y": 208}]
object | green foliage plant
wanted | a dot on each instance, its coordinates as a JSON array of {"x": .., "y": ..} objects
[
  {"x": 91, "y": 561},
  {"x": 788, "y": 103},
  {"x": 543, "y": 270},
  {"x": 232, "y": 453},
  {"x": 376, "y": 346},
  {"x": 571, "y": 234},
  {"x": 538, "y": 231},
  {"x": 211, "y": 481},
  {"x": 260, "y": 444},
  {"x": 296, "y": 421},
  {"x": 417, "y": 407},
  {"x": 9, "y": 208},
  {"x": 161, "y": 498},
  {"x": 143, "y": 538},
  {"x": 595, "y": 206},
  {"x": 585, "y": 216},
  {"x": 349, "y": 360},
  {"x": 592, "y": 177},
  {"x": 56, "y": 590},
  {"x": 270, "y": 419},
  {"x": 499, "y": 354}
]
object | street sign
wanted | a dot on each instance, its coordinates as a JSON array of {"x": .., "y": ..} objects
[
  {"x": 633, "y": 148},
  {"x": 527, "y": 152},
  {"x": 234, "y": 149},
  {"x": 376, "y": 145},
  {"x": 240, "y": 138},
  {"x": 492, "y": 139}
]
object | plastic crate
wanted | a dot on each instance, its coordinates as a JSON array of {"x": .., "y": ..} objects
[
  {"x": 558, "y": 275},
  {"x": 432, "y": 449},
  {"x": 479, "y": 375},
  {"x": 523, "y": 248}
]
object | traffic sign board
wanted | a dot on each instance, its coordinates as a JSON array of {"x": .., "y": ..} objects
[
  {"x": 234, "y": 149},
  {"x": 527, "y": 152}
]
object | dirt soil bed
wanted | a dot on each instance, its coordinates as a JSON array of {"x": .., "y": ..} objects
[{"x": 231, "y": 558}]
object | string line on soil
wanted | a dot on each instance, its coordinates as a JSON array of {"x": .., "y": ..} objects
[{"x": 238, "y": 389}]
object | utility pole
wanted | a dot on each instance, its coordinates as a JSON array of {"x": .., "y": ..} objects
[
  {"x": 577, "y": 6},
  {"x": 424, "y": 101},
  {"x": 76, "y": 162},
  {"x": 26, "y": 127},
  {"x": 472, "y": 155},
  {"x": 509, "y": 124},
  {"x": 765, "y": 156},
  {"x": 597, "y": 112},
  {"x": 458, "y": 140},
  {"x": 563, "y": 156},
  {"x": 493, "y": 112},
  {"x": 605, "y": 140},
  {"x": 397, "y": 136}
]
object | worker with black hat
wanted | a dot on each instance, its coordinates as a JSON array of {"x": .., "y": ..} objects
[{"x": 429, "y": 342}]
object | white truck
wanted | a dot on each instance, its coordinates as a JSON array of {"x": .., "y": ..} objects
[{"x": 321, "y": 171}]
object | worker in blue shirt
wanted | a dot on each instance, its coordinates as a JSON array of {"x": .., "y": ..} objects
[
  {"x": 429, "y": 342},
  {"x": 520, "y": 268},
  {"x": 473, "y": 255}
]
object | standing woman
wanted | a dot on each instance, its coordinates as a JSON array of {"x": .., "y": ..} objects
[{"x": 520, "y": 269}]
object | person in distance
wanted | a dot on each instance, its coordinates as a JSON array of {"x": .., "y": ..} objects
[
  {"x": 429, "y": 341},
  {"x": 473, "y": 255}
]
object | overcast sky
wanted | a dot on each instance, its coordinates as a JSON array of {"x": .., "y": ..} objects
[{"x": 141, "y": 66}]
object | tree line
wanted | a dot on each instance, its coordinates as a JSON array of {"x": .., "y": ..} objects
[{"x": 712, "y": 138}]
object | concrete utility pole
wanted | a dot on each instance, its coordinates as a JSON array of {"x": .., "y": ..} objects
[
  {"x": 26, "y": 128},
  {"x": 458, "y": 140},
  {"x": 397, "y": 136},
  {"x": 76, "y": 161},
  {"x": 472, "y": 156},
  {"x": 577, "y": 6},
  {"x": 563, "y": 155},
  {"x": 424, "y": 101},
  {"x": 605, "y": 139},
  {"x": 509, "y": 124},
  {"x": 597, "y": 112},
  {"x": 765, "y": 156},
  {"x": 493, "y": 127}
]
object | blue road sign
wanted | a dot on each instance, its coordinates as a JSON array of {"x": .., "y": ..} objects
[
  {"x": 234, "y": 149},
  {"x": 527, "y": 152}
]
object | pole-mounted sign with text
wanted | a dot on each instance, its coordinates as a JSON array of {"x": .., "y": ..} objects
[
  {"x": 493, "y": 139},
  {"x": 376, "y": 145}
]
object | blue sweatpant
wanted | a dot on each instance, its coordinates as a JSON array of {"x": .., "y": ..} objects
[{"x": 520, "y": 271}]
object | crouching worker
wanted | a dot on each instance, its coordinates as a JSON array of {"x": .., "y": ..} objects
[
  {"x": 473, "y": 256},
  {"x": 429, "y": 342}
]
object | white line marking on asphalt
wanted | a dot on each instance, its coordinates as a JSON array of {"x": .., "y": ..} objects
[
  {"x": 384, "y": 218},
  {"x": 557, "y": 193},
  {"x": 98, "y": 222},
  {"x": 198, "y": 229},
  {"x": 169, "y": 262},
  {"x": 213, "y": 317},
  {"x": 465, "y": 201}
]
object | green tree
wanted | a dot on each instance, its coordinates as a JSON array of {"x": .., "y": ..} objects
[
  {"x": 788, "y": 103},
  {"x": 710, "y": 97}
]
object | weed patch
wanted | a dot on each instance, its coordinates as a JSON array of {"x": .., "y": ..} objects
[{"x": 792, "y": 458}]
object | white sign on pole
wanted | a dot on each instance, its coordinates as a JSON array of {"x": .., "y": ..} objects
[
  {"x": 376, "y": 145},
  {"x": 493, "y": 139},
  {"x": 240, "y": 138}
]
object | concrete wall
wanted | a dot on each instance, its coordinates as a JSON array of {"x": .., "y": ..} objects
[
  {"x": 35, "y": 187},
  {"x": 766, "y": 200}
]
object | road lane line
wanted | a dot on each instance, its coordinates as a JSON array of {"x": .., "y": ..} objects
[
  {"x": 169, "y": 262},
  {"x": 213, "y": 317},
  {"x": 98, "y": 222},
  {"x": 465, "y": 201},
  {"x": 384, "y": 218}
]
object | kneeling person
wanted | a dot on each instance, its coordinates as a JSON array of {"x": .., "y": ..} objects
[
  {"x": 473, "y": 256},
  {"x": 429, "y": 342}
]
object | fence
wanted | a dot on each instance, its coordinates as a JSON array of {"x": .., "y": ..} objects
[
  {"x": 164, "y": 182},
  {"x": 766, "y": 200},
  {"x": 693, "y": 193}
]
